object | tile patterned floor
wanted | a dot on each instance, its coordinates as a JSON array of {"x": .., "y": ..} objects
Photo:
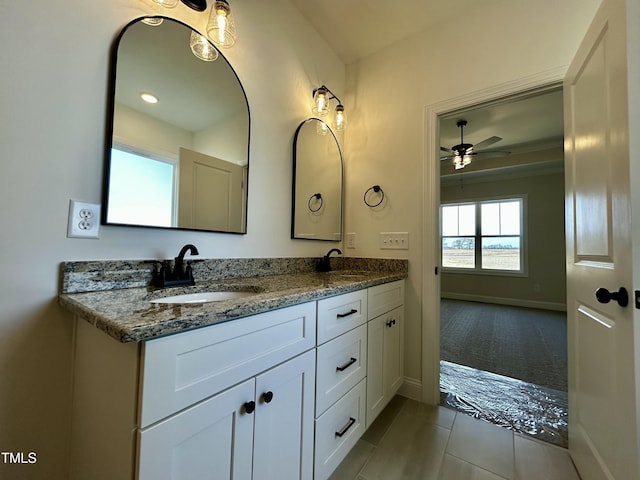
[{"x": 411, "y": 440}]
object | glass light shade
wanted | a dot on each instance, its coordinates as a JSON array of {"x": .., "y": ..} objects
[
  {"x": 221, "y": 28},
  {"x": 320, "y": 102},
  {"x": 322, "y": 128},
  {"x": 340, "y": 118},
  {"x": 202, "y": 48},
  {"x": 167, "y": 3},
  {"x": 153, "y": 21},
  {"x": 461, "y": 161}
]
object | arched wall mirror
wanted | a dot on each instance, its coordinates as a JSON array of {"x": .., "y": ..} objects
[
  {"x": 183, "y": 161},
  {"x": 317, "y": 183}
]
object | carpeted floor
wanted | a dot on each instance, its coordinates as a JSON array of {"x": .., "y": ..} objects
[{"x": 522, "y": 343}]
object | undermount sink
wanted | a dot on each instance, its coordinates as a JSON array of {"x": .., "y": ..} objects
[{"x": 203, "y": 297}]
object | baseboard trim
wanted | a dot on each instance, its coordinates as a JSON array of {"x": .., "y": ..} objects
[
  {"x": 411, "y": 388},
  {"x": 514, "y": 302}
]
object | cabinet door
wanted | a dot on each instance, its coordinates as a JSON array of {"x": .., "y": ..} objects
[
  {"x": 375, "y": 362},
  {"x": 283, "y": 438},
  {"x": 393, "y": 369},
  {"x": 211, "y": 440},
  {"x": 384, "y": 360}
]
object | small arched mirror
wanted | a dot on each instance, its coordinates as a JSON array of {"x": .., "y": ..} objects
[
  {"x": 317, "y": 183},
  {"x": 182, "y": 160}
]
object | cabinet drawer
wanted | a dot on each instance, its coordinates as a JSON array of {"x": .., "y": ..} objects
[
  {"x": 385, "y": 297},
  {"x": 341, "y": 364},
  {"x": 337, "y": 315},
  {"x": 338, "y": 430},
  {"x": 182, "y": 369}
]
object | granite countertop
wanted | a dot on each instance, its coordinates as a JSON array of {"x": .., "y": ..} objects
[{"x": 127, "y": 315}]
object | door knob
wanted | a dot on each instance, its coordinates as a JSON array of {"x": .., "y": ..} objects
[{"x": 605, "y": 296}]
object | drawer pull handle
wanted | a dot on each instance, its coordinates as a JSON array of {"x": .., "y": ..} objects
[
  {"x": 346, "y": 365},
  {"x": 249, "y": 407},
  {"x": 391, "y": 323},
  {"x": 267, "y": 396},
  {"x": 344, "y": 430},
  {"x": 350, "y": 312}
]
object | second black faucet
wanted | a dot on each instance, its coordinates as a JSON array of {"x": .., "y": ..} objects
[{"x": 324, "y": 264}]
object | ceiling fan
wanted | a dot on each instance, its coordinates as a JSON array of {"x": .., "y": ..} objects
[{"x": 462, "y": 153}]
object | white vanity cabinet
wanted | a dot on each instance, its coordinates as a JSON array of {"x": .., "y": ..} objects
[
  {"x": 385, "y": 341},
  {"x": 232, "y": 400},
  {"x": 278, "y": 395},
  {"x": 341, "y": 379},
  {"x": 259, "y": 429}
]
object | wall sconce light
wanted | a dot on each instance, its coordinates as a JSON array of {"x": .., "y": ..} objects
[
  {"x": 221, "y": 28},
  {"x": 197, "y": 5},
  {"x": 201, "y": 47},
  {"x": 321, "y": 97},
  {"x": 322, "y": 128},
  {"x": 167, "y": 3}
]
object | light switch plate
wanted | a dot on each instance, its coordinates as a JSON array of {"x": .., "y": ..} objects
[
  {"x": 351, "y": 240},
  {"x": 394, "y": 240}
]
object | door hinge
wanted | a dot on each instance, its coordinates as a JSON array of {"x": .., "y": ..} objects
[{"x": 636, "y": 296}]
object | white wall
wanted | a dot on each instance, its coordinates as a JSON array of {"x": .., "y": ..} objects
[
  {"x": 55, "y": 61},
  {"x": 500, "y": 41}
]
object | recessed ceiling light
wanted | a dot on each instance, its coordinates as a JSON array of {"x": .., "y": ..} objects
[{"x": 148, "y": 97}]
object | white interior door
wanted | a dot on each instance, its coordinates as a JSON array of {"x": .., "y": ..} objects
[
  {"x": 211, "y": 193},
  {"x": 603, "y": 428}
]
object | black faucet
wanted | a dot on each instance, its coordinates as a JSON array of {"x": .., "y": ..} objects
[
  {"x": 324, "y": 264},
  {"x": 179, "y": 275}
]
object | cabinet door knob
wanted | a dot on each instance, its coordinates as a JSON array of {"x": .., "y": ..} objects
[
  {"x": 267, "y": 396},
  {"x": 391, "y": 323},
  {"x": 249, "y": 407}
]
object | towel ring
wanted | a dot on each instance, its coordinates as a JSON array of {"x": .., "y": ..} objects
[
  {"x": 317, "y": 196},
  {"x": 376, "y": 189}
]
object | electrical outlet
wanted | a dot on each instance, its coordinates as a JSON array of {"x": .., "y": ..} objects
[
  {"x": 351, "y": 240},
  {"x": 84, "y": 220},
  {"x": 394, "y": 240}
]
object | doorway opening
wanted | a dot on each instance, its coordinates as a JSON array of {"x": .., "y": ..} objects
[{"x": 503, "y": 340}]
